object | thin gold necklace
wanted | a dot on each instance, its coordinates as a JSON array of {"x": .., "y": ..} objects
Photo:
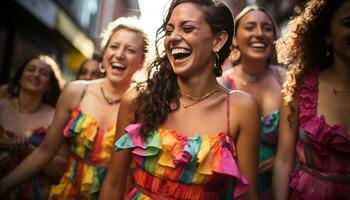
[
  {"x": 198, "y": 99},
  {"x": 110, "y": 101}
]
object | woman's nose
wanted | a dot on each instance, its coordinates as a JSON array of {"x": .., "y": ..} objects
[
  {"x": 120, "y": 53},
  {"x": 175, "y": 36}
]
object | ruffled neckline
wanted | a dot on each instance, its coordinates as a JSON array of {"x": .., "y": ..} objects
[
  {"x": 92, "y": 119},
  {"x": 85, "y": 125},
  {"x": 176, "y": 151},
  {"x": 319, "y": 130}
]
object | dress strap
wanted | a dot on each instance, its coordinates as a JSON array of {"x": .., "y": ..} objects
[
  {"x": 83, "y": 93},
  {"x": 228, "y": 112}
]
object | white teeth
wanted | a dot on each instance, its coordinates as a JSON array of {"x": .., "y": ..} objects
[
  {"x": 258, "y": 45},
  {"x": 176, "y": 51},
  {"x": 118, "y": 66}
]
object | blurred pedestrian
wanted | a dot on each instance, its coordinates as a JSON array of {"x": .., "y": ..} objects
[
  {"x": 24, "y": 118},
  {"x": 253, "y": 72},
  {"x": 90, "y": 69}
]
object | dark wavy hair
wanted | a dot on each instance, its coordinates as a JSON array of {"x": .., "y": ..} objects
[
  {"x": 158, "y": 96},
  {"x": 303, "y": 47},
  {"x": 56, "y": 81}
]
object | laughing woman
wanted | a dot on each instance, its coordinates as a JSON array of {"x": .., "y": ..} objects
[
  {"x": 190, "y": 137},
  {"x": 86, "y": 116},
  {"x": 252, "y": 72}
]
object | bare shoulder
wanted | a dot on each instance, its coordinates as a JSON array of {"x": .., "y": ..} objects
[
  {"x": 72, "y": 94},
  {"x": 129, "y": 97},
  {"x": 75, "y": 88},
  {"x": 241, "y": 99}
]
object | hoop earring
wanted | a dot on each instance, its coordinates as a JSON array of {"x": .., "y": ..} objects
[
  {"x": 216, "y": 65},
  {"x": 235, "y": 55},
  {"x": 101, "y": 68}
]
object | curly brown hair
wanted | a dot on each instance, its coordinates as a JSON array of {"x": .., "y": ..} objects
[
  {"x": 303, "y": 46},
  {"x": 158, "y": 96}
]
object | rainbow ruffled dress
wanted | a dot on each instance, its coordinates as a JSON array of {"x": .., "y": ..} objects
[
  {"x": 90, "y": 151},
  {"x": 37, "y": 187},
  {"x": 323, "y": 152},
  {"x": 172, "y": 166},
  {"x": 268, "y": 143}
]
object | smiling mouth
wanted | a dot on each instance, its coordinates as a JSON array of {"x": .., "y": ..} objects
[
  {"x": 180, "y": 54},
  {"x": 258, "y": 45},
  {"x": 118, "y": 67}
]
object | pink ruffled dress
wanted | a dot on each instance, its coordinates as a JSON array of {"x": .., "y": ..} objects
[
  {"x": 323, "y": 152},
  {"x": 172, "y": 166}
]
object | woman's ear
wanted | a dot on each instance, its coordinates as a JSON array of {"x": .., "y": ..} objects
[{"x": 219, "y": 41}]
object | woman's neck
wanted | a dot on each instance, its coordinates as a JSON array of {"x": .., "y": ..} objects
[
  {"x": 253, "y": 67},
  {"x": 116, "y": 90},
  {"x": 341, "y": 72},
  {"x": 197, "y": 86},
  {"x": 28, "y": 103}
]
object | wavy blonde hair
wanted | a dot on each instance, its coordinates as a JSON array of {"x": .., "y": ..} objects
[
  {"x": 303, "y": 46},
  {"x": 128, "y": 23}
]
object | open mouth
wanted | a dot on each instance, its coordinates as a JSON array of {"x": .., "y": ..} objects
[
  {"x": 258, "y": 45},
  {"x": 118, "y": 67},
  {"x": 180, "y": 54}
]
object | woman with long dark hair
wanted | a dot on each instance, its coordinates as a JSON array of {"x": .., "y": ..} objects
[
  {"x": 190, "y": 137},
  {"x": 24, "y": 119}
]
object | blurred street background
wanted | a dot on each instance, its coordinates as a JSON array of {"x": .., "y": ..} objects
[{"x": 69, "y": 29}]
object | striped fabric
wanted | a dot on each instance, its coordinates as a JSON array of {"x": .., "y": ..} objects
[
  {"x": 90, "y": 148},
  {"x": 172, "y": 166}
]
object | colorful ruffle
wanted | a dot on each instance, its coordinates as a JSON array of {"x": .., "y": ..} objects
[
  {"x": 91, "y": 148},
  {"x": 323, "y": 137},
  {"x": 183, "y": 162},
  {"x": 229, "y": 82}
]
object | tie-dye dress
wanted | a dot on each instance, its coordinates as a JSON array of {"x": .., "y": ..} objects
[
  {"x": 172, "y": 166},
  {"x": 90, "y": 151}
]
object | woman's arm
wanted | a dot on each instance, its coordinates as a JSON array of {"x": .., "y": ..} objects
[
  {"x": 248, "y": 142},
  {"x": 58, "y": 164},
  {"x": 115, "y": 181},
  {"x": 284, "y": 159},
  {"x": 53, "y": 140}
]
